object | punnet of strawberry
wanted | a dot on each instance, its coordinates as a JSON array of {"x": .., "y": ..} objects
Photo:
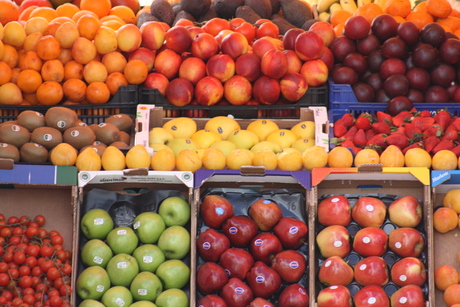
[{"x": 406, "y": 130}]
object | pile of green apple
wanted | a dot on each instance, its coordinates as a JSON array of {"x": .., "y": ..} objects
[{"x": 140, "y": 266}]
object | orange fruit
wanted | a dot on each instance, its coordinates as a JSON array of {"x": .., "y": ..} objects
[
  {"x": 340, "y": 157},
  {"x": 421, "y": 6},
  {"x": 67, "y": 9},
  {"x": 136, "y": 71},
  {"x": 65, "y": 55},
  {"x": 338, "y": 29},
  {"x": 52, "y": 70},
  {"x": 66, "y": 34},
  {"x": 88, "y": 25},
  {"x": 48, "y": 48},
  {"x": 29, "y": 80},
  {"x": 30, "y": 98},
  {"x": 10, "y": 94},
  {"x": 30, "y": 43},
  {"x": 439, "y": 8},
  {"x": 14, "y": 34},
  {"x": 9, "y": 11},
  {"x": 445, "y": 219},
  {"x": 163, "y": 160},
  {"x": 74, "y": 89},
  {"x": 451, "y": 21},
  {"x": 113, "y": 24},
  {"x": 30, "y": 60},
  {"x": 124, "y": 12},
  {"x": 45, "y": 12},
  {"x": 444, "y": 160},
  {"x": 94, "y": 71},
  {"x": 5, "y": 73},
  {"x": 400, "y": 8},
  {"x": 417, "y": 157},
  {"x": 419, "y": 18},
  {"x": 81, "y": 13},
  {"x": 369, "y": 11},
  {"x": 452, "y": 200},
  {"x": 10, "y": 56},
  {"x": 452, "y": 295},
  {"x": 73, "y": 70},
  {"x": 114, "y": 81},
  {"x": 36, "y": 24},
  {"x": 24, "y": 15},
  {"x": 101, "y": 7},
  {"x": 339, "y": 17},
  {"x": 114, "y": 61},
  {"x": 97, "y": 93},
  {"x": 50, "y": 93},
  {"x": 83, "y": 50},
  {"x": 444, "y": 276}
]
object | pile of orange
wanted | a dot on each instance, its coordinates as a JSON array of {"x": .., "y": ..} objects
[{"x": 50, "y": 56}]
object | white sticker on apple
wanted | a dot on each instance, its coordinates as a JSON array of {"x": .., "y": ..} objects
[
  {"x": 100, "y": 288},
  {"x": 206, "y": 245},
  {"x": 121, "y": 232},
  {"x": 98, "y": 221},
  {"x": 363, "y": 266},
  {"x": 260, "y": 279},
  {"x": 219, "y": 211},
  {"x": 403, "y": 277},
  {"x": 335, "y": 199},
  {"x": 369, "y": 208},
  {"x": 147, "y": 259},
  {"x": 398, "y": 245},
  {"x": 293, "y": 230},
  {"x": 366, "y": 240},
  {"x": 122, "y": 265},
  {"x": 98, "y": 259},
  {"x": 233, "y": 230},
  {"x": 120, "y": 302},
  {"x": 142, "y": 291},
  {"x": 136, "y": 225},
  {"x": 403, "y": 300},
  {"x": 239, "y": 290},
  {"x": 328, "y": 263},
  {"x": 333, "y": 287},
  {"x": 372, "y": 300},
  {"x": 337, "y": 243}
]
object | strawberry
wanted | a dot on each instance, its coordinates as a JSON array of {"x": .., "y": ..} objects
[
  {"x": 434, "y": 130},
  {"x": 413, "y": 145},
  {"x": 377, "y": 140},
  {"x": 350, "y": 133},
  {"x": 450, "y": 134},
  {"x": 348, "y": 144},
  {"x": 370, "y": 133},
  {"x": 443, "y": 119},
  {"x": 431, "y": 143},
  {"x": 347, "y": 120},
  {"x": 400, "y": 129},
  {"x": 339, "y": 130},
  {"x": 381, "y": 127},
  {"x": 443, "y": 144},
  {"x": 425, "y": 113},
  {"x": 456, "y": 150},
  {"x": 412, "y": 132},
  {"x": 383, "y": 117},
  {"x": 402, "y": 118},
  {"x": 363, "y": 121},
  {"x": 456, "y": 123},
  {"x": 360, "y": 138},
  {"x": 423, "y": 123},
  {"x": 397, "y": 139}
]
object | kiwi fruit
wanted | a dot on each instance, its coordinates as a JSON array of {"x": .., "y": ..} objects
[
  {"x": 14, "y": 134},
  {"x": 60, "y": 118},
  {"x": 125, "y": 137},
  {"x": 106, "y": 133},
  {"x": 119, "y": 144},
  {"x": 124, "y": 122},
  {"x": 282, "y": 23},
  {"x": 48, "y": 137},
  {"x": 162, "y": 10},
  {"x": 276, "y": 6},
  {"x": 33, "y": 153},
  {"x": 98, "y": 146},
  {"x": 210, "y": 14},
  {"x": 183, "y": 15},
  {"x": 79, "y": 136},
  {"x": 8, "y": 151},
  {"x": 31, "y": 119}
]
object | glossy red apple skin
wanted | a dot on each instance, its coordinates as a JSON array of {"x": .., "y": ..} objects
[
  {"x": 407, "y": 271},
  {"x": 290, "y": 265},
  {"x": 309, "y": 45},
  {"x": 215, "y": 210},
  {"x": 240, "y": 230},
  {"x": 335, "y": 271},
  {"x": 204, "y": 46},
  {"x": 266, "y": 213},
  {"x": 371, "y": 296},
  {"x": 265, "y": 246},
  {"x": 372, "y": 270},
  {"x": 263, "y": 280},
  {"x": 334, "y": 210},
  {"x": 211, "y": 300},
  {"x": 210, "y": 277},
  {"x": 236, "y": 262},
  {"x": 370, "y": 241},
  {"x": 293, "y": 295},
  {"x": 369, "y": 211},
  {"x": 178, "y": 39},
  {"x": 334, "y": 240},
  {"x": 289, "y": 38},
  {"x": 406, "y": 242},
  {"x": 410, "y": 295},
  {"x": 292, "y": 232},
  {"x": 260, "y": 302},
  {"x": 211, "y": 244},
  {"x": 336, "y": 295},
  {"x": 236, "y": 293},
  {"x": 406, "y": 211}
]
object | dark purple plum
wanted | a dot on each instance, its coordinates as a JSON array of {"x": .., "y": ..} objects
[
  {"x": 409, "y": 32},
  {"x": 449, "y": 51},
  {"x": 367, "y": 44},
  {"x": 356, "y": 27},
  {"x": 363, "y": 92},
  {"x": 344, "y": 75},
  {"x": 415, "y": 96},
  {"x": 384, "y": 26},
  {"x": 356, "y": 61},
  {"x": 443, "y": 74},
  {"x": 375, "y": 81},
  {"x": 433, "y": 33},
  {"x": 425, "y": 56},
  {"x": 419, "y": 78},
  {"x": 341, "y": 46},
  {"x": 396, "y": 85},
  {"x": 436, "y": 93},
  {"x": 398, "y": 104},
  {"x": 392, "y": 66},
  {"x": 381, "y": 96},
  {"x": 394, "y": 47},
  {"x": 374, "y": 60}
]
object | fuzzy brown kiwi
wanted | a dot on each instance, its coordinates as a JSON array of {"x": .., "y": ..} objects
[
  {"x": 124, "y": 122},
  {"x": 119, "y": 144},
  {"x": 98, "y": 146},
  {"x": 60, "y": 118},
  {"x": 107, "y": 133},
  {"x": 79, "y": 136},
  {"x": 46, "y": 136},
  {"x": 8, "y": 151},
  {"x": 125, "y": 137},
  {"x": 33, "y": 153},
  {"x": 31, "y": 119},
  {"x": 14, "y": 134}
]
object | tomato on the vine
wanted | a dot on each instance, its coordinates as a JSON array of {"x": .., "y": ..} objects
[
  {"x": 46, "y": 251},
  {"x": 12, "y": 220},
  {"x": 55, "y": 301},
  {"x": 14, "y": 240},
  {"x": 61, "y": 255},
  {"x": 40, "y": 220},
  {"x": 24, "y": 220},
  {"x": 25, "y": 281},
  {"x": 18, "y": 231},
  {"x": 67, "y": 269},
  {"x": 53, "y": 273},
  {"x": 31, "y": 231},
  {"x": 42, "y": 233},
  {"x": 3, "y": 267},
  {"x": 46, "y": 265},
  {"x": 33, "y": 250},
  {"x": 4, "y": 279},
  {"x": 19, "y": 257},
  {"x": 6, "y": 232},
  {"x": 2, "y": 217},
  {"x": 24, "y": 270},
  {"x": 28, "y": 299}
]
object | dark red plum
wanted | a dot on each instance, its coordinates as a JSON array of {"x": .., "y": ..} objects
[
  {"x": 289, "y": 38},
  {"x": 456, "y": 95},
  {"x": 443, "y": 74},
  {"x": 341, "y": 46},
  {"x": 451, "y": 90},
  {"x": 356, "y": 61},
  {"x": 344, "y": 75},
  {"x": 396, "y": 85},
  {"x": 433, "y": 33},
  {"x": 356, "y": 27},
  {"x": 363, "y": 92},
  {"x": 327, "y": 57},
  {"x": 449, "y": 51},
  {"x": 409, "y": 61},
  {"x": 374, "y": 60},
  {"x": 436, "y": 93},
  {"x": 381, "y": 96},
  {"x": 394, "y": 47},
  {"x": 367, "y": 44},
  {"x": 392, "y": 66},
  {"x": 425, "y": 56},
  {"x": 409, "y": 32},
  {"x": 384, "y": 26},
  {"x": 415, "y": 96},
  {"x": 375, "y": 81},
  {"x": 419, "y": 78},
  {"x": 398, "y": 104}
]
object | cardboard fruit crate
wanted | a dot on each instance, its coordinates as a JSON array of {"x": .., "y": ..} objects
[
  {"x": 445, "y": 245},
  {"x": 115, "y": 191},
  {"x": 150, "y": 116},
  {"x": 386, "y": 184},
  {"x": 289, "y": 190}
]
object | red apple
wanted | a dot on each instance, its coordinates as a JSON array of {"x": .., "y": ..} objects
[
  {"x": 240, "y": 230},
  {"x": 291, "y": 232},
  {"x": 333, "y": 240},
  {"x": 178, "y": 39},
  {"x": 237, "y": 90},
  {"x": 325, "y": 30},
  {"x": 407, "y": 271},
  {"x": 209, "y": 91},
  {"x": 405, "y": 211},
  {"x": 266, "y": 90},
  {"x": 215, "y": 210},
  {"x": 167, "y": 62},
  {"x": 336, "y": 295},
  {"x": 221, "y": 66},
  {"x": 263, "y": 280},
  {"x": 293, "y": 295},
  {"x": 248, "y": 66},
  {"x": 236, "y": 262},
  {"x": 410, "y": 295},
  {"x": 369, "y": 211},
  {"x": 289, "y": 38},
  {"x": 335, "y": 271},
  {"x": 236, "y": 293},
  {"x": 194, "y": 31},
  {"x": 145, "y": 54},
  {"x": 315, "y": 72},
  {"x": 293, "y": 62},
  {"x": 371, "y": 296},
  {"x": 274, "y": 64},
  {"x": 211, "y": 300},
  {"x": 328, "y": 58},
  {"x": 157, "y": 81},
  {"x": 266, "y": 213},
  {"x": 265, "y": 246},
  {"x": 204, "y": 46},
  {"x": 262, "y": 45},
  {"x": 234, "y": 44},
  {"x": 260, "y": 302},
  {"x": 406, "y": 242},
  {"x": 247, "y": 29},
  {"x": 334, "y": 210},
  {"x": 221, "y": 35},
  {"x": 193, "y": 69},
  {"x": 370, "y": 241},
  {"x": 211, "y": 244},
  {"x": 372, "y": 270},
  {"x": 179, "y": 92},
  {"x": 210, "y": 277},
  {"x": 309, "y": 45},
  {"x": 290, "y": 265}
]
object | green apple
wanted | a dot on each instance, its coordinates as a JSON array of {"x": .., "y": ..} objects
[
  {"x": 91, "y": 303},
  {"x": 146, "y": 286},
  {"x": 172, "y": 298},
  {"x": 149, "y": 226},
  {"x": 122, "y": 269},
  {"x": 149, "y": 257},
  {"x": 96, "y": 252},
  {"x": 175, "y": 242},
  {"x": 96, "y": 224},
  {"x": 244, "y": 139},
  {"x": 174, "y": 274},
  {"x": 159, "y": 135},
  {"x": 122, "y": 240},
  {"x": 117, "y": 296},
  {"x": 143, "y": 304},
  {"x": 175, "y": 211},
  {"x": 92, "y": 283}
]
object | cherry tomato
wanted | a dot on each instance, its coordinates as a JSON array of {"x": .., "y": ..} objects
[
  {"x": 53, "y": 273},
  {"x": 53, "y": 233},
  {"x": 35, "y": 281},
  {"x": 14, "y": 273},
  {"x": 67, "y": 269},
  {"x": 61, "y": 255},
  {"x": 31, "y": 231},
  {"x": 42, "y": 233},
  {"x": 17, "y": 301},
  {"x": 31, "y": 262},
  {"x": 21, "y": 247},
  {"x": 18, "y": 231},
  {"x": 2, "y": 241},
  {"x": 54, "y": 292},
  {"x": 46, "y": 251},
  {"x": 3, "y": 301},
  {"x": 40, "y": 219},
  {"x": 25, "y": 281},
  {"x": 13, "y": 265},
  {"x": 8, "y": 295},
  {"x": 3, "y": 267},
  {"x": 33, "y": 250},
  {"x": 69, "y": 255},
  {"x": 6, "y": 232},
  {"x": 28, "y": 299},
  {"x": 14, "y": 240},
  {"x": 12, "y": 220},
  {"x": 19, "y": 257},
  {"x": 24, "y": 270},
  {"x": 2, "y": 224},
  {"x": 2, "y": 217},
  {"x": 28, "y": 291},
  {"x": 8, "y": 257},
  {"x": 4, "y": 279},
  {"x": 55, "y": 301},
  {"x": 46, "y": 265},
  {"x": 41, "y": 287},
  {"x": 24, "y": 220},
  {"x": 33, "y": 224},
  {"x": 65, "y": 290},
  {"x": 37, "y": 271}
]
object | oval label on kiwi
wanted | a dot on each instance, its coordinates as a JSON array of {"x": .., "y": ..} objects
[
  {"x": 3, "y": 145},
  {"x": 15, "y": 128},
  {"x": 75, "y": 133},
  {"x": 101, "y": 125},
  {"x": 38, "y": 145},
  {"x": 47, "y": 137},
  {"x": 61, "y": 124},
  {"x": 39, "y": 114},
  {"x": 117, "y": 116}
]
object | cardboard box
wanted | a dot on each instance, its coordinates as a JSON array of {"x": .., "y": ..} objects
[
  {"x": 149, "y": 116},
  {"x": 136, "y": 182},
  {"x": 445, "y": 245},
  {"x": 389, "y": 181},
  {"x": 37, "y": 174},
  {"x": 288, "y": 189}
]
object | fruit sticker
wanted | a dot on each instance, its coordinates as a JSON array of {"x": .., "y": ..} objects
[
  {"x": 98, "y": 221},
  {"x": 98, "y": 259},
  {"x": 239, "y": 290},
  {"x": 147, "y": 259},
  {"x": 206, "y": 245},
  {"x": 260, "y": 279},
  {"x": 121, "y": 232},
  {"x": 293, "y": 230}
]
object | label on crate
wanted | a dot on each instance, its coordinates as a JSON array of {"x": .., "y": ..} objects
[
  {"x": 98, "y": 259},
  {"x": 147, "y": 259},
  {"x": 121, "y": 232},
  {"x": 100, "y": 288},
  {"x": 98, "y": 221},
  {"x": 122, "y": 265},
  {"x": 142, "y": 292},
  {"x": 136, "y": 225}
]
